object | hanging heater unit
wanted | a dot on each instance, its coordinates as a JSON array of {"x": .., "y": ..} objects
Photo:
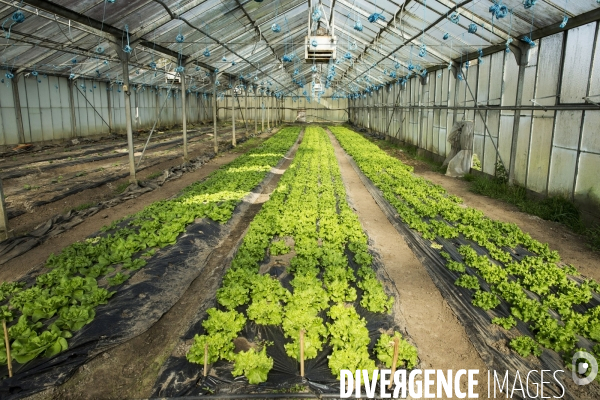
[
  {"x": 320, "y": 43},
  {"x": 172, "y": 78},
  {"x": 323, "y": 52}
]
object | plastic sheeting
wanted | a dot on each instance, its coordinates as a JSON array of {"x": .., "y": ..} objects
[
  {"x": 137, "y": 304},
  {"x": 460, "y": 159},
  {"x": 179, "y": 377}
]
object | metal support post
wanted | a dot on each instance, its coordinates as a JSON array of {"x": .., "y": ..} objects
[
  {"x": 246, "y": 109},
  {"x": 71, "y": 85},
  {"x": 184, "y": 116},
  {"x": 233, "y": 117},
  {"x": 269, "y": 113},
  {"x": 127, "y": 93},
  {"x": 4, "y": 232},
  {"x": 109, "y": 104},
  {"x": 523, "y": 61},
  {"x": 255, "y": 113},
  {"x": 135, "y": 103},
  {"x": 216, "y": 143}
]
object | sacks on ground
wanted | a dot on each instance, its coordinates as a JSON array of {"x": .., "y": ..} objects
[{"x": 460, "y": 158}]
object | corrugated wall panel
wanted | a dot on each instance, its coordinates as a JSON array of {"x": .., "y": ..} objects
[
  {"x": 588, "y": 184},
  {"x": 566, "y": 132},
  {"x": 24, "y": 109},
  {"x": 590, "y": 141},
  {"x": 483, "y": 83},
  {"x": 491, "y": 142},
  {"x": 60, "y": 93},
  {"x": 8, "y": 122},
  {"x": 507, "y": 119},
  {"x": 547, "y": 76},
  {"x": 443, "y": 133},
  {"x": 562, "y": 171},
  {"x": 594, "y": 89},
  {"x": 46, "y": 109},
  {"x": 578, "y": 58},
  {"x": 496, "y": 74},
  {"x": 478, "y": 146},
  {"x": 511, "y": 71},
  {"x": 539, "y": 155},
  {"x": 83, "y": 124}
]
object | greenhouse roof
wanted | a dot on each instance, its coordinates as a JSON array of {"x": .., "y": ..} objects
[{"x": 83, "y": 37}]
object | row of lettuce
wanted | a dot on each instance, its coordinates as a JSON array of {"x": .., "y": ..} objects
[
  {"x": 537, "y": 288},
  {"x": 307, "y": 218},
  {"x": 43, "y": 315}
]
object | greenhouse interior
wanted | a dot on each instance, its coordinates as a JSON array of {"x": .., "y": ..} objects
[{"x": 247, "y": 199}]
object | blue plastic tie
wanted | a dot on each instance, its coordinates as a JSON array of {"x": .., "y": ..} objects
[
  {"x": 376, "y": 16},
  {"x": 316, "y": 15},
  {"x": 564, "y": 22},
  {"x": 528, "y": 40}
]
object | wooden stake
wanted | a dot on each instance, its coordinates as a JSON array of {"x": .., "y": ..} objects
[
  {"x": 302, "y": 353},
  {"x": 7, "y": 344},
  {"x": 205, "y": 359},
  {"x": 394, "y": 360}
]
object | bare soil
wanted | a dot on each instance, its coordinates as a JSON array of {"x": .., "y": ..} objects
[
  {"x": 51, "y": 172},
  {"x": 440, "y": 338},
  {"x": 19, "y": 266}
]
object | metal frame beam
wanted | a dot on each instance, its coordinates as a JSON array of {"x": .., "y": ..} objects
[{"x": 92, "y": 23}]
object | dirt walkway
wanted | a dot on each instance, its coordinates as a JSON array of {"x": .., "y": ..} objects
[
  {"x": 440, "y": 338},
  {"x": 19, "y": 266},
  {"x": 130, "y": 369}
]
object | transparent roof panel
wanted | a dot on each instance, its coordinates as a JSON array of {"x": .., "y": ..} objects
[{"x": 427, "y": 33}]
